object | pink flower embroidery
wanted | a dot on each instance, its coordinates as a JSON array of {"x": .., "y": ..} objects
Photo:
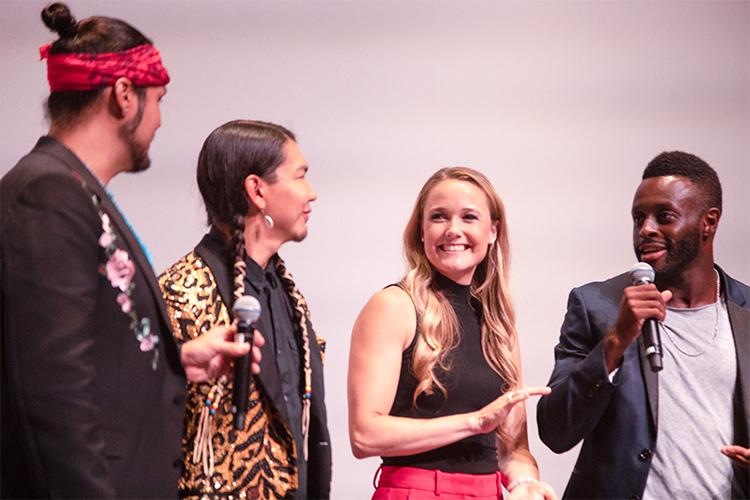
[
  {"x": 147, "y": 344},
  {"x": 106, "y": 226},
  {"x": 125, "y": 303},
  {"x": 105, "y": 240},
  {"x": 147, "y": 339},
  {"x": 107, "y": 237},
  {"x": 120, "y": 269}
]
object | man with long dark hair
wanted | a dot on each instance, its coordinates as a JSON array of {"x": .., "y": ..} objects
[
  {"x": 253, "y": 179},
  {"x": 92, "y": 384}
]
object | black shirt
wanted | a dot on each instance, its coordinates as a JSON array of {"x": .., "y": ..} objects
[
  {"x": 277, "y": 325},
  {"x": 470, "y": 384}
]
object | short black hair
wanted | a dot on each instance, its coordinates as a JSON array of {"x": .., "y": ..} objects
[{"x": 690, "y": 166}]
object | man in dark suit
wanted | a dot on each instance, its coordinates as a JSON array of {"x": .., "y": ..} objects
[
  {"x": 659, "y": 434},
  {"x": 93, "y": 385}
]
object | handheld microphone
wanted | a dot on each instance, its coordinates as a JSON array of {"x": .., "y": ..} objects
[
  {"x": 246, "y": 310},
  {"x": 643, "y": 274}
]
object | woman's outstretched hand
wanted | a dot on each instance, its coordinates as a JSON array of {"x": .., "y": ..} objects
[{"x": 493, "y": 415}]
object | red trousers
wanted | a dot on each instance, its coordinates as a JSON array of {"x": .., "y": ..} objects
[{"x": 402, "y": 483}]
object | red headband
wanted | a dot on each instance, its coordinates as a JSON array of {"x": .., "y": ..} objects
[{"x": 141, "y": 64}]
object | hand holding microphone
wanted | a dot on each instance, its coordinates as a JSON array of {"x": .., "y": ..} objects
[
  {"x": 642, "y": 305},
  {"x": 643, "y": 274},
  {"x": 209, "y": 355},
  {"x": 246, "y": 311}
]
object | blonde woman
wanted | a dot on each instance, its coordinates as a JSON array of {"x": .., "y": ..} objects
[{"x": 434, "y": 368}]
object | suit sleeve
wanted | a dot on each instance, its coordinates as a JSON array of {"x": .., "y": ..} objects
[
  {"x": 51, "y": 259},
  {"x": 581, "y": 390}
]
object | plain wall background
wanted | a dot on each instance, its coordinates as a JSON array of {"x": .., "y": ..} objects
[{"x": 561, "y": 104}]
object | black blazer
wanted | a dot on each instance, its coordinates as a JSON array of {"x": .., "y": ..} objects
[
  {"x": 213, "y": 251},
  {"x": 617, "y": 421},
  {"x": 84, "y": 414}
]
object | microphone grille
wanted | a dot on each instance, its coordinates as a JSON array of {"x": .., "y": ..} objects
[
  {"x": 246, "y": 309},
  {"x": 641, "y": 273}
]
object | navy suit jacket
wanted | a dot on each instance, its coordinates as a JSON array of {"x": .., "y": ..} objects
[
  {"x": 617, "y": 420},
  {"x": 83, "y": 412}
]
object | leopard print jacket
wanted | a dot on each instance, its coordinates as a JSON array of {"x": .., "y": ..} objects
[{"x": 260, "y": 460}]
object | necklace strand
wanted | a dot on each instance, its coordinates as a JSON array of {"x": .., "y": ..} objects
[{"x": 667, "y": 328}]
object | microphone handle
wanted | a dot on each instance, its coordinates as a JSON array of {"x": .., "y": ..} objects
[
  {"x": 652, "y": 341},
  {"x": 241, "y": 379}
]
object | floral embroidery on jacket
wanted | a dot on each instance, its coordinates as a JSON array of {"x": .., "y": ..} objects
[{"x": 120, "y": 270}]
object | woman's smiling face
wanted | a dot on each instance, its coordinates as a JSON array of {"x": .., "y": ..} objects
[{"x": 457, "y": 229}]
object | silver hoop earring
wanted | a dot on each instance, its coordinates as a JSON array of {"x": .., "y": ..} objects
[{"x": 268, "y": 220}]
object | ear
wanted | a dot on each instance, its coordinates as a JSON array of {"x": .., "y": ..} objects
[
  {"x": 256, "y": 191},
  {"x": 710, "y": 222},
  {"x": 493, "y": 232},
  {"x": 124, "y": 101}
]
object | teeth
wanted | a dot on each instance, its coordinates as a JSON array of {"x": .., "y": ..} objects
[{"x": 453, "y": 248}]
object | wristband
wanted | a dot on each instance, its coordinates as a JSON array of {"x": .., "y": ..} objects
[{"x": 522, "y": 480}]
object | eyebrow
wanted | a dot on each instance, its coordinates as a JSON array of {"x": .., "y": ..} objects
[
  {"x": 462, "y": 209},
  {"x": 656, "y": 206}
]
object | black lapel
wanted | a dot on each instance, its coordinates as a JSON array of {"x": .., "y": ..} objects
[
  {"x": 739, "y": 318},
  {"x": 212, "y": 249},
  {"x": 738, "y": 309},
  {"x": 651, "y": 380},
  {"x": 138, "y": 254},
  {"x": 316, "y": 363},
  {"x": 54, "y": 148}
]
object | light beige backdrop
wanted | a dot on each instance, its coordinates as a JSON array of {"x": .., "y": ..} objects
[{"x": 561, "y": 104}]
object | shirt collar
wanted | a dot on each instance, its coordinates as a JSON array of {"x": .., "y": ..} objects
[{"x": 258, "y": 277}]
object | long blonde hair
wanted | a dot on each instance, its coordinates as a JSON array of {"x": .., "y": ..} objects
[{"x": 438, "y": 331}]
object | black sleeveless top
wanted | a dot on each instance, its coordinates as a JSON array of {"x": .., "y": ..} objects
[{"x": 470, "y": 384}]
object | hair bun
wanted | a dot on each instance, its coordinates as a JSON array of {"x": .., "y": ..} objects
[{"x": 57, "y": 17}]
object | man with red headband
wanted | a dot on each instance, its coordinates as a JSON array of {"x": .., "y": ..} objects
[{"x": 93, "y": 384}]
